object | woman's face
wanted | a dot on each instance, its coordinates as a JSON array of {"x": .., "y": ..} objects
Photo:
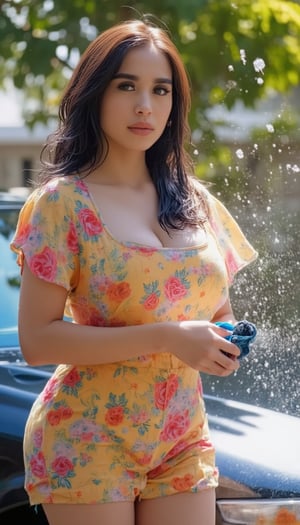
[{"x": 137, "y": 103}]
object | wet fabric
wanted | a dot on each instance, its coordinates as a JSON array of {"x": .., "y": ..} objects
[
  {"x": 137, "y": 428},
  {"x": 243, "y": 334}
]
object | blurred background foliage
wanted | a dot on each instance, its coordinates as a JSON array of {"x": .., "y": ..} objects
[{"x": 220, "y": 42}]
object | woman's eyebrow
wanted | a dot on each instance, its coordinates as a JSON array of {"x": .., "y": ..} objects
[{"x": 128, "y": 76}]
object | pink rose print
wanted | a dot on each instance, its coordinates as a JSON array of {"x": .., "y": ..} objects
[
  {"x": 164, "y": 391},
  {"x": 172, "y": 386},
  {"x": 91, "y": 224},
  {"x": 152, "y": 293},
  {"x": 118, "y": 292},
  {"x": 54, "y": 417},
  {"x": 65, "y": 412},
  {"x": 23, "y": 234},
  {"x": 72, "y": 382},
  {"x": 44, "y": 264},
  {"x": 114, "y": 416},
  {"x": 72, "y": 240},
  {"x": 176, "y": 425},
  {"x": 62, "y": 466},
  {"x": 72, "y": 378},
  {"x": 231, "y": 263},
  {"x": 160, "y": 394},
  {"x": 38, "y": 437},
  {"x": 184, "y": 483},
  {"x": 174, "y": 289},
  {"x": 38, "y": 465},
  {"x": 49, "y": 390},
  {"x": 151, "y": 302},
  {"x": 81, "y": 186}
]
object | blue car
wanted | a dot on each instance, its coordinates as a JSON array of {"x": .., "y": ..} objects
[{"x": 258, "y": 449}]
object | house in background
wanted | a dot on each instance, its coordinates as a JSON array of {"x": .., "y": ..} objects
[{"x": 20, "y": 150}]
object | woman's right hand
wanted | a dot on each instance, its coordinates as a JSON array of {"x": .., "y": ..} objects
[{"x": 201, "y": 345}]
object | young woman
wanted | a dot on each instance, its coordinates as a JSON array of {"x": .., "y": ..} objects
[{"x": 120, "y": 237}]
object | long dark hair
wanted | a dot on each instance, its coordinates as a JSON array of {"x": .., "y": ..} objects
[{"x": 79, "y": 145}]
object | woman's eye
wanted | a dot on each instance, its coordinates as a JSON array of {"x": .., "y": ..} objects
[
  {"x": 125, "y": 86},
  {"x": 160, "y": 90}
]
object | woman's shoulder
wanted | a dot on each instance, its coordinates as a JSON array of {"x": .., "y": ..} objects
[
  {"x": 60, "y": 189},
  {"x": 63, "y": 185}
]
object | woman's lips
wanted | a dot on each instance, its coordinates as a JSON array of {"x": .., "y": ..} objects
[{"x": 141, "y": 128}]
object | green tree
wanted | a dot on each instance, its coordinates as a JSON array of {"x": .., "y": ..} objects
[{"x": 233, "y": 50}]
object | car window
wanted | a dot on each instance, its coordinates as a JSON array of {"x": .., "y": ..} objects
[{"x": 9, "y": 271}]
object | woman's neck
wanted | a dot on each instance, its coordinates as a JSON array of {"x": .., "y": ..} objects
[{"x": 128, "y": 170}]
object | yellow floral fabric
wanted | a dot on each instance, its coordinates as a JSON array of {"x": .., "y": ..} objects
[{"x": 136, "y": 428}]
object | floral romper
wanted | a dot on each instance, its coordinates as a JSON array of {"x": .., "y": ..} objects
[{"x": 135, "y": 428}]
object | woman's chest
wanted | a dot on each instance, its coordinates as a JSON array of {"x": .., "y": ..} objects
[
  {"x": 134, "y": 283},
  {"x": 131, "y": 216}
]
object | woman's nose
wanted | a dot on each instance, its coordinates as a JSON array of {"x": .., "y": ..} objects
[{"x": 143, "y": 107}]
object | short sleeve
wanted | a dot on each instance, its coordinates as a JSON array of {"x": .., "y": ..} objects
[
  {"x": 46, "y": 237},
  {"x": 234, "y": 247}
]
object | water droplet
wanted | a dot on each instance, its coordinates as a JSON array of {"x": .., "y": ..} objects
[
  {"x": 259, "y": 65},
  {"x": 243, "y": 56},
  {"x": 294, "y": 168},
  {"x": 231, "y": 84},
  {"x": 270, "y": 128},
  {"x": 239, "y": 153}
]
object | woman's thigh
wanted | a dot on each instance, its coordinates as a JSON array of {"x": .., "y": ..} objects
[
  {"x": 178, "y": 509},
  {"x": 121, "y": 513}
]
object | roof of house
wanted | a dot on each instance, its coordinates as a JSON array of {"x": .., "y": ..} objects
[{"x": 12, "y": 135}]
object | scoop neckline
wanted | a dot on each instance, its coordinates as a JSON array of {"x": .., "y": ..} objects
[{"x": 137, "y": 245}]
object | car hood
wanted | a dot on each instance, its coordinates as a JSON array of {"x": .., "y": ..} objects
[
  {"x": 14, "y": 371},
  {"x": 255, "y": 446}
]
